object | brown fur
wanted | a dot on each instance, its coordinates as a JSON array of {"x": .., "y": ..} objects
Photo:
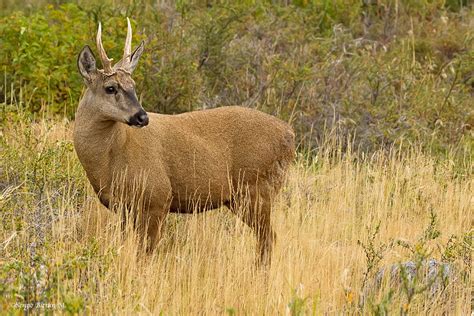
[{"x": 189, "y": 162}]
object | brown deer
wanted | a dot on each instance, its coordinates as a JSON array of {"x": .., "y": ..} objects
[{"x": 189, "y": 162}]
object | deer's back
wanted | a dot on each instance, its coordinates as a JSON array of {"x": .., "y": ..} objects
[{"x": 231, "y": 139}]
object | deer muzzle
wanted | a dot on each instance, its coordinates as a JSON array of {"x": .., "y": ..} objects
[{"x": 140, "y": 119}]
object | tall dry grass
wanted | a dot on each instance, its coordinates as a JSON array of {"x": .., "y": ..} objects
[{"x": 58, "y": 245}]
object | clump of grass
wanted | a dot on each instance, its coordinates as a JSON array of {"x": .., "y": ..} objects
[{"x": 418, "y": 282}]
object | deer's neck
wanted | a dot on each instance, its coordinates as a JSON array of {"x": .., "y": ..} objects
[{"x": 99, "y": 144}]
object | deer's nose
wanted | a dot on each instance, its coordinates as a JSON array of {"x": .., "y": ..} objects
[{"x": 140, "y": 119}]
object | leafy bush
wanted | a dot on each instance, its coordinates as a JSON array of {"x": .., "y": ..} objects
[{"x": 36, "y": 53}]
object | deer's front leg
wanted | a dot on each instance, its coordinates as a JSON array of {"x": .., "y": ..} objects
[{"x": 154, "y": 229}]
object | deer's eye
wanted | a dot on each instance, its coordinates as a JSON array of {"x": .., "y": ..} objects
[{"x": 110, "y": 90}]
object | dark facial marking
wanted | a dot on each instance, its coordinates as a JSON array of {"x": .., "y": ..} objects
[{"x": 130, "y": 95}]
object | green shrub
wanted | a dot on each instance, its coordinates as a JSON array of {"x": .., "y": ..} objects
[{"x": 37, "y": 53}]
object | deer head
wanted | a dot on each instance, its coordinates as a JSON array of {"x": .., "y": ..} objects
[{"x": 112, "y": 90}]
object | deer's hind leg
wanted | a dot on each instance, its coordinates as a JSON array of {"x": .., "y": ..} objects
[{"x": 254, "y": 207}]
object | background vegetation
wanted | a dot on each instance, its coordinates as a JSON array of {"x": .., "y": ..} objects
[
  {"x": 382, "y": 71},
  {"x": 380, "y": 93}
]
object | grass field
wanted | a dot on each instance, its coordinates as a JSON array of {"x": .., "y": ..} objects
[{"x": 60, "y": 246}]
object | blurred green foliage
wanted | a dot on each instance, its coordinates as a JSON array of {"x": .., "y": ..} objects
[{"x": 386, "y": 72}]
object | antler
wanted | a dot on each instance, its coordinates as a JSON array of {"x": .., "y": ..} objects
[
  {"x": 127, "y": 51},
  {"x": 106, "y": 61},
  {"x": 124, "y": 63}
]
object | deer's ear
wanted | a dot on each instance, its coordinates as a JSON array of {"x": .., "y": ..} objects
[
  {"x": 86, "y": 63},
  {"x": 136, "y": 56}
]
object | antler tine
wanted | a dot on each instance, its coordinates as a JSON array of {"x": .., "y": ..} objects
[
  {"x": 106, "y": 61},
  {"x": 127, "y": 51}
]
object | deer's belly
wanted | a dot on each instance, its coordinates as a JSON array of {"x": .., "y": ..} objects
[{"x": 196, "y": 198}]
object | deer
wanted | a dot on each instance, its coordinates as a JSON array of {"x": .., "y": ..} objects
[{"x": 192, "y": 162}]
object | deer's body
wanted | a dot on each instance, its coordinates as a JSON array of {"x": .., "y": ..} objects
[
  {"x": 188, "y": 162},
  {"x": 195, "y": 158}
]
